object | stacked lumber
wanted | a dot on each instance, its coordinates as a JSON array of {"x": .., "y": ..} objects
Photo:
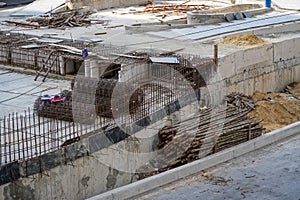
[
  {"x": 70, "y": 18},
  {"x": 203, "y": 134}
]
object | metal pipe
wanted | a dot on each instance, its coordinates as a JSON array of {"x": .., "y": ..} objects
[{"x": 268, "y": 3}]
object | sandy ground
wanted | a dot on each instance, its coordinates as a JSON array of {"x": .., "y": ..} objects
[{"x": 277, "y": 109}]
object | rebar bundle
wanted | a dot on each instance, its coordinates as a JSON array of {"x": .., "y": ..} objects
[
  {"x": 203, "y": 134},
  {"x": 102, "y": 97}
]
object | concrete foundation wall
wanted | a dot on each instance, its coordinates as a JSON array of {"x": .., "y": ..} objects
[
  {"x": 264, "y": 68},
  {"x": 82, "y": 170},
  {"x": 108, "y": 160}
]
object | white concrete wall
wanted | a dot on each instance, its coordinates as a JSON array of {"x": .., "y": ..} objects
[{"x": 264, "y": 68}]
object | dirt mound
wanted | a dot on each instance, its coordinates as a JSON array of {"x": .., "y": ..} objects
[
  {"x": 243, "y": 40},
  {"x": 276, "y": 109}
]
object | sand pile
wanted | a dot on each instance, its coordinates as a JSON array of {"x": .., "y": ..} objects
[
  {"x": 277, "y": 109},
  {"x": 294, "y": 88},
  {"x": 243, "y": 40}
]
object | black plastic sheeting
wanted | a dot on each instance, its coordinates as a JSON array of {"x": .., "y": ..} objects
[{"x": 16, "y": 2}]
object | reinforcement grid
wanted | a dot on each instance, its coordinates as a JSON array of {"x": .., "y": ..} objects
[{"x": 30, "y": 134}]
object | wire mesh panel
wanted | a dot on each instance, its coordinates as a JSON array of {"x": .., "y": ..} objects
[{"x": 144, "y": 84}]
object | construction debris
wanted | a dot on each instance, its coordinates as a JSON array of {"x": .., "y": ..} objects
[
  {"x": 182, "y": 7},
  {"x": 204, "y": 134},
  {"x": 70, "y": 18},
  {"x": 22, "y": 24},
  {"x": 243, "y": 40}
]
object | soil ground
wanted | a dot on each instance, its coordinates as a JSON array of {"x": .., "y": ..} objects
[{"x": 277, "y": 109}]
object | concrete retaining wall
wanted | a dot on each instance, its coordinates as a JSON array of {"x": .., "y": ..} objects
[
  {"x": 132, "y": 190},
  {"x": 96, "y": 164},
  {"x": 264, "y": 68}
]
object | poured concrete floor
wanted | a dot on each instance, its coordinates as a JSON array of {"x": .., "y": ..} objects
[
  {"x": 19, "y": 91},
  {"x": 269, "y": 173}
]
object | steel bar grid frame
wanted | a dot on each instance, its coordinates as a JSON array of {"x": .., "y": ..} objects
[{"x": 140, "y": 88}]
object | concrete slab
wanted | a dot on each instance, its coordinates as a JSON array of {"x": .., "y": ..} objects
[
  {"x": 38, "y": 7},
  {"x": 19, "y": 91}
]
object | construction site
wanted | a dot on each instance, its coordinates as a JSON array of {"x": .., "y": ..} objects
[{"x": 138, "y": 99}]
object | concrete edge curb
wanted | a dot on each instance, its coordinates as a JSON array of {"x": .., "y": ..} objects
[{"x": 147, "y": 184}]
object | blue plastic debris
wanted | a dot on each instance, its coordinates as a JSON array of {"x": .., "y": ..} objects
[{"x": 85, "y": 53}]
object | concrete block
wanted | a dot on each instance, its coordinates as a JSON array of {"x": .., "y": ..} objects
[
  {"x": 172, "y": 107},
  {"x": 146, "y": 121},
  {"x": 187, "y": 99},
  {"x": 243, "y": 149},
  {"x": 52, "y": 159},
  {"x": 259, "y": 56},
  {"x": 133, "y": 128},
  {"x": 116, "y": 135},
  {"x": 238, "y": 15},
  {"x": 226, "y": 66},
  {"x": 286, "y": 49},
  {"x": 247, "y": 14},
  {"x": 98, "y": 142},
  {"x": 229, "y": 17},
  {"x": 31, "y": 167},
  {"x": 263, "y": 140},
  {"x": 197, "y": 17}
]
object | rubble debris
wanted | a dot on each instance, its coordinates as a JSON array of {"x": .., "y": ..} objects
[
  {"x": 204, "y": 134},
  {"x": 183, "y": 7},
  {"x": 277, "y": 109},
  {"x": 169, "y": 53},
  {"x": 243, "y": 40},
  {"x": 22, "y": 24},
  {"x": 70, "y": 18},
  {"x": 114, "y": 26},
  {"x": 100, "y": 33}
]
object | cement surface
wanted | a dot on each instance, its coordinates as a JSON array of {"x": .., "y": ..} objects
[
  {"x": 38, "y": 7},
  {"x": 269, "y": 173},
  {"x": 19, "y": 91}
]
